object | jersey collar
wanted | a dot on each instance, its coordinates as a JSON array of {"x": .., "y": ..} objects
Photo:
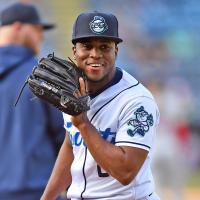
[{"x": 115, "y": 80}]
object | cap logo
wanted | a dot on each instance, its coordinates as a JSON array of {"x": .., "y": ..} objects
[{"x": 98, "y": 25}]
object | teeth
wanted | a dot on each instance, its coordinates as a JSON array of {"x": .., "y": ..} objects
[{"x": 95, "y": 65}]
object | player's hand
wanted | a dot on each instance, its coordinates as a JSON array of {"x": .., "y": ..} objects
[{"x": 82, "y": 118}]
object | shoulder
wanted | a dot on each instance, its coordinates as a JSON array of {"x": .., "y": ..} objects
[
  {"x": 134, "y": 87},
  {"x": 136, "y": 95}
]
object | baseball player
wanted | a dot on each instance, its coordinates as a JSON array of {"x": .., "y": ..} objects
[{"x": 107, "y": 150}]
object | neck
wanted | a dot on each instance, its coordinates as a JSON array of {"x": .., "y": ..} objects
[
  {"x": 7, "y": 37},
  {"x": 95, "y": 86}
]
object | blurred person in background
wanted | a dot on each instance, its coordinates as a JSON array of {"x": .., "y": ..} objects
[
  {"x": 31, "y": 132},
  {"x": 172, "y": 154}
]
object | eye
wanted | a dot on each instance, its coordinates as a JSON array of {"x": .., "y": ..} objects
[
  {"x": 87, "y": 46},
  {"x": 105, "y": 47}
]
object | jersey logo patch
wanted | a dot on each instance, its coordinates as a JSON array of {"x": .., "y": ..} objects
[
  {"x": 140, "y": 123},
  {"x": 98, "y": 25}
]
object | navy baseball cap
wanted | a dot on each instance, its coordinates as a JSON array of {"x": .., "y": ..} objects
[
  {"x": 25, "y": 13},
  {"x": 96, "y": 25}
]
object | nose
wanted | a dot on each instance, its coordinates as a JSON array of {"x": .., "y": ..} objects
[{"x": 95, "y": 53}]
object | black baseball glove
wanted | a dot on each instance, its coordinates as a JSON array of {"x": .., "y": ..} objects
[{"x": 56, "y": 81}]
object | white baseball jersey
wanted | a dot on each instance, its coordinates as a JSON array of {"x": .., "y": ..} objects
[{"x": 125, "y": 114}]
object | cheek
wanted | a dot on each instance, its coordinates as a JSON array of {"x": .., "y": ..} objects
[
  {"x": 111, "y": 59},
  {"x": 80, "y": 57},
  {"x": 38, "y": 38},
  {"x": 80, "y": 54},
  {"x": 33, "y": 40},
  {"x": 79, "y": 62}
]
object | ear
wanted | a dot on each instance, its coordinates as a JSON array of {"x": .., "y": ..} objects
[
  {"x": 116, "y": 50},
  {"x": 74, "y": 51}
]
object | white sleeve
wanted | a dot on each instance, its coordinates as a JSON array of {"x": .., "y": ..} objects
[{"x": 137, "y": 124}]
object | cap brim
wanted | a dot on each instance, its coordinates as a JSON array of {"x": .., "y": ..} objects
[
  {"x": 115, "y": 39},
  {"x": 48, "y": 26}
]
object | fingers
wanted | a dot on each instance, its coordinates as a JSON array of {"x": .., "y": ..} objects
[
  {"x": 77, "y": 94},
  {"x": 82, "y": 86},
  {"x": 82, "y": 91}
]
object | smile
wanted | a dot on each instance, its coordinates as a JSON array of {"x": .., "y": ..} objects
[{"x": 95, "y": 65}]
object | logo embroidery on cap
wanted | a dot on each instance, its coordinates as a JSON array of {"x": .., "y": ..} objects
[
  {"x": 98, "y": 25},
  {"x": 141, "y": 122}
]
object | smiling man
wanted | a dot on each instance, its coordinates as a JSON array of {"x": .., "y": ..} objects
[{"x": 107, "y": 150}]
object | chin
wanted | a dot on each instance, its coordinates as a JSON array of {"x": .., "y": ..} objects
[{"x": 94, "y": 79}]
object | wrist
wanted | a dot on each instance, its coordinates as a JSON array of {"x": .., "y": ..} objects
[
  {"x": 80, "y": 121},
  {"x": 82, "y": 127}
]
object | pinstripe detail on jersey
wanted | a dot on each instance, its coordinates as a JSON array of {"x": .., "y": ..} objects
[
  {"x": 113, "y": 98},
  {"x": 144, "y": 145},
  {"x": 85, "y": 181}
]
